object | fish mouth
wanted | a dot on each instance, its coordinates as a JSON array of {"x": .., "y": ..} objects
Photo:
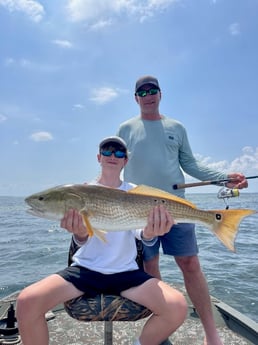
[
  {"x": 44, "y": 214},
  {"x": 35, "y": 212}
]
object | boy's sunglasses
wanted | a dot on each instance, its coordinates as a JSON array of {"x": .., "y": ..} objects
[
  {"x": 144, "y": 93},
  {"x": 117, "y": 153}
]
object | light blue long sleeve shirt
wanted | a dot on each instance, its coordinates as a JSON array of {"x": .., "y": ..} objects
[{"x": 159, "y": 152}]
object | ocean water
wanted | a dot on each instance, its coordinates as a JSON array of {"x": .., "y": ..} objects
[{"x": 32, "y": 248}]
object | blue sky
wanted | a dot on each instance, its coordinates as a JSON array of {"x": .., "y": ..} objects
[{"x": 68, "y": 70}]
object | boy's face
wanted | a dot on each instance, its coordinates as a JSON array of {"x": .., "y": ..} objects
[{"x": 113, "y": 155}]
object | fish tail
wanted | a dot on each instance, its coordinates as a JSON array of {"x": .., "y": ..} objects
[{"x": 226, "y": 223}]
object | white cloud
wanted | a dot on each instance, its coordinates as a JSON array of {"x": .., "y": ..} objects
[
  {"x": 234, "y": 29},
  {"x": 101, "y": 10},
  {"x": 41, "y": 136},
  {"x": 63, "y": 43},
  {"x": 24, "y": 63},
  {"x": 8, "y": 61},
  {"x": 246, "y": 163},
  {"x": 31, "y": 8},
  {"x": 101, "y": 24},
  {"x": 31, "y": 65},
  {"x": 3, "y": 118},
  {"x": 80, "y": 10},
  {"x": 78, "y": 106},
  {"x": 103, "y": 95},
  {"x": 209, "y": 162}
]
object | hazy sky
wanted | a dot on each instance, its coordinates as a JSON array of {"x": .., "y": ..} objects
[{"x": 68, "y": 70}]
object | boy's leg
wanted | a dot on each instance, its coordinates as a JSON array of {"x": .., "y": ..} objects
[
  {"x": 168, "y": 305},
  {"x": 34, "y": 301}
]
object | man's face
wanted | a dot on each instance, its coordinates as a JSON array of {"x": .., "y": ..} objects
[{"x": 148, "y": 97}]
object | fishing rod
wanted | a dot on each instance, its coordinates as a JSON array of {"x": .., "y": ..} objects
[
  {"x": 224, "y": 192},
  {"x": 205, "y": 183}
]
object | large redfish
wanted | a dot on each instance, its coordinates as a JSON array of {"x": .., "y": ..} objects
[{"x": 108, "y": 209}]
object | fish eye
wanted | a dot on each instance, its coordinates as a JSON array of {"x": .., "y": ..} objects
[{"x": 41, "y": 198}]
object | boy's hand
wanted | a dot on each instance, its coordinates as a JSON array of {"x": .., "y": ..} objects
[
  {"x": 159, "y": 222},
  {"x": 72, "y": 221}
]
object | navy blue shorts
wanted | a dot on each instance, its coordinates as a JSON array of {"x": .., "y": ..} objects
[
  {"x": 179, "y": 241},
  {"x": 93, "y": 283}
]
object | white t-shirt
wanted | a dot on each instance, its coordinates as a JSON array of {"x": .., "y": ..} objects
[{"x": 118, "y": 254}]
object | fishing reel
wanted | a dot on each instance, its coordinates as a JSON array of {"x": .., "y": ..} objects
[{"x": 226, "y": 193}]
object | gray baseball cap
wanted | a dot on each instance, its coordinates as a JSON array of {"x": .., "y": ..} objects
[
  {"x": 113, "y": 139},
  {"x": 147, "y": 79}
]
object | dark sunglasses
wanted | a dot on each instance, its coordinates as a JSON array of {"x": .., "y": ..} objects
[
  {"x": 144, "y": 93},
  {"x": 117, "y": 153}
]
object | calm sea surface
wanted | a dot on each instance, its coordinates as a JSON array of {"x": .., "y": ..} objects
[{"x": 31, "y": 248}]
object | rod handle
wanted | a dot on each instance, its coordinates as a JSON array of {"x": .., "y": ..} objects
[{"x": 195, "y": 184}]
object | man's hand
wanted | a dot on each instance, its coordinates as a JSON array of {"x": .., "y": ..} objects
[
  {"x": 159, "y": 222},
  {"x": 73, "y": 222},
  {"x": 239, "y": 181}
]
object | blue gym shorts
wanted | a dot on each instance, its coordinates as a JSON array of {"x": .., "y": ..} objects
[
  {"x": 93, "y": 283},
  {"x": 179, "y": 241}
]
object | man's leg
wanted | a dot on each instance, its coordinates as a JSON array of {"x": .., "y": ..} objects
[
  {"x": 197, "y": 289},
  {"x": 152, "y": 267},
  {"x": 181, "y": 243}
]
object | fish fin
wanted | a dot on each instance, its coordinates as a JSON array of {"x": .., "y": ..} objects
[
  {"x": 226, "y": 224},
  {"x": 86, "y": 222},
  {"x": 92, "y": 231},
  {"x": 101, "y": 234},
  {"x": 151, "y": 191}
]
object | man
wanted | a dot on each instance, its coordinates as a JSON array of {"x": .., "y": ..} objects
[
  {"x": 106, "y": 267},
  {"x": 159, "y": 150}
]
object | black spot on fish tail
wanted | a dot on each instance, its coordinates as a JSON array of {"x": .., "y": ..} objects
[{"x": 218, "y": 216}]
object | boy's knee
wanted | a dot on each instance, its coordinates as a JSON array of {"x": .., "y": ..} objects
[
  {"x": 25, "y": 301},
  {"x": 176, "y": 311},
  {"x": 183, "y": 306}
]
